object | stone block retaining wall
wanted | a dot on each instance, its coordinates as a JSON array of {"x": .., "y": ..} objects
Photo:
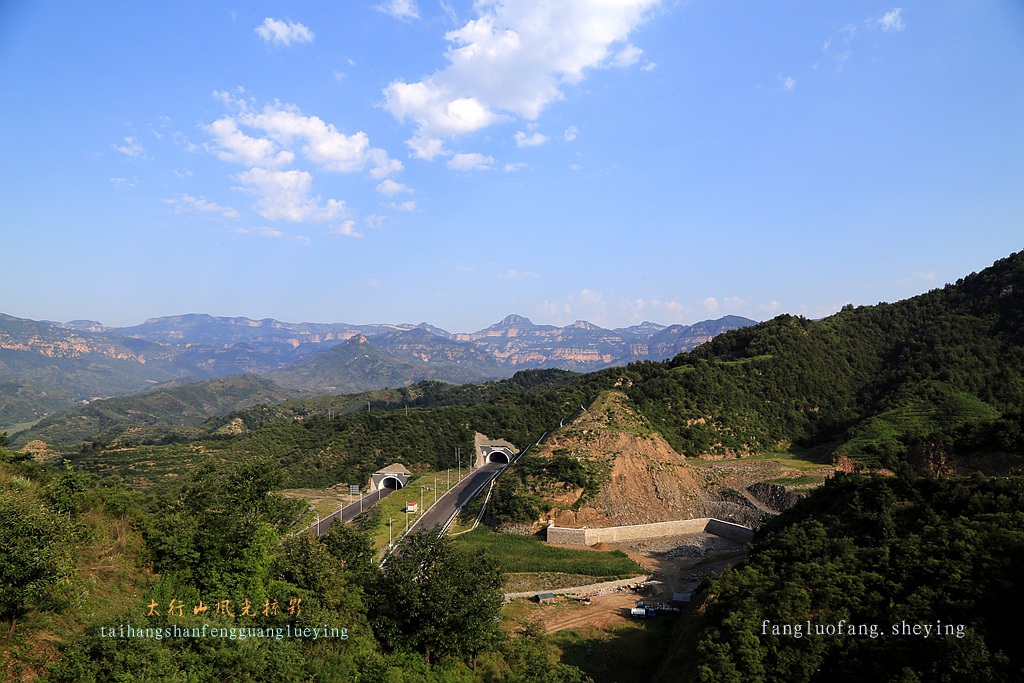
[{"x": 614, "y": 534}]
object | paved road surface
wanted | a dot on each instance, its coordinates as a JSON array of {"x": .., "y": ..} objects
[
  {"x": 454, "y": 500},
  {"x": 350, "y": 511}
]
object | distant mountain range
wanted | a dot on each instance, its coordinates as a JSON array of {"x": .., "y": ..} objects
[{"x": 46, "y": 367}]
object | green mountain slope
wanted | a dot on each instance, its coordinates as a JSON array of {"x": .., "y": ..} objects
[
  {"x": 362, "y": 364},
  {"x": 877, "y": 383},
  {"x": 935, "y": 379},
  {"x": 870, "y": 579},
  {"x": 156, "y": 413}
]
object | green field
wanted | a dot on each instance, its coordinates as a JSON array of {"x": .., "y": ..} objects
[
  {"x": 521, "y": 554},
  {"x": 626, "y": 653}
]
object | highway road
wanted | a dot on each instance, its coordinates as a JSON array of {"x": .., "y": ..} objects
[
  {"x": 453, "y": 501},
  {"x": 457, "y": 498},
  {"x": 441, "y": 511},
  {"x": 350, "y": 511}
]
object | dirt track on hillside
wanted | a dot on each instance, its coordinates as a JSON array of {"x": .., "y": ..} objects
[{"x": 676, "y": 563}]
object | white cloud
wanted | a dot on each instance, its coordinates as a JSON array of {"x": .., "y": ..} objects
[
  {"x": 436, "y": 111},
  {"x": 511, "y": 274},
  {"x": 893, "y": 20},
  {"x": 285, "y": 195},
  {"x": 426, "y": 148},
  {"x": 321, "y": 142},
  {"x": 515, "y": 59},
  {"x": 284, "y": 32},
  {"x": 400, "y": 9},
  {"x": 571, "y": 133},
  {"x": 273, "y": 138},
  {"x": 261, "y": 231},
  {"x": 585, "y": 304},
  {"x": 471, "y": 162},
  {"x": 514, "y": 167},
  {"x": 788, "y": 83},
  {"x": 231, "y": 144},
  {"x": 123, "y": 183},
  {"x": 641, "y": 309},
  {"x": 524, "y": 140},
  {"x": 347, "y": 228},
  {"x": 131, "y": 147},
  {"x": 627, "y": 56},
  {"x": 391, "y": 188},
  {"x": 189, "y": 204},
  {"x": 404, "y": 206},
  {"x": 375, "y": 221}
]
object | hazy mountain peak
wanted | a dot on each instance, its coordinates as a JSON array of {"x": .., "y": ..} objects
[{"x": 514, "y": 321}]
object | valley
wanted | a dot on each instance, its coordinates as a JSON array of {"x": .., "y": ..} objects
[{"x": 864, "y": 449}]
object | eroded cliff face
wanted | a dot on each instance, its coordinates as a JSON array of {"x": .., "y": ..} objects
[
  {"x": 646, "y": 480},
  {"x": 72, "y": 346}
]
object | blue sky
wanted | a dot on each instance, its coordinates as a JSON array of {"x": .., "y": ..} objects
[{"x": 453, "y": 162}]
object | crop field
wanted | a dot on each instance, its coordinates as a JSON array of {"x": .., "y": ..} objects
[{"x": 154, "y": 468}]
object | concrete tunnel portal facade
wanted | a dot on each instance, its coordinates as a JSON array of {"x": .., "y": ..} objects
[
  {"x": 393, "y": 477},
  {"x": 493, "y": 450}
]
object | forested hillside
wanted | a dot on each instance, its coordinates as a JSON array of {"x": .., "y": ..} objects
[
  {"x": 164, "y": 413},
  {"x": 940, "y": 374},
  {"x": 100, "y": 584},
  {"x": 936, "y": 379},
  {"x": 871, "y": 579}
]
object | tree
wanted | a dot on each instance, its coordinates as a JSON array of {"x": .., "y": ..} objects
[
  {"x": 35, "y": 557},
  {"x": 436, "y": 599},
  {"x": 352, "y": 547}
]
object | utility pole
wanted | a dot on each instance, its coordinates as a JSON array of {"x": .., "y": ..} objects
[
  {"x": 449, "y": 479},
  {"x": 391, "y": 523},
  {"x": 435, "y": 490}
]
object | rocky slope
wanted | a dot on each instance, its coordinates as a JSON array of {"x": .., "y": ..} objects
[{"x": 644, "y": 480}]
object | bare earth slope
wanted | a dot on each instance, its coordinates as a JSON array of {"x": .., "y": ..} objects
[{"x": 646, "y": 480}]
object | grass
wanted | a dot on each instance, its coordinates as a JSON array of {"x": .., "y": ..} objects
[
  {"x": 796, "y": 458},
  {"x": 110, "y": 580},
  {"x": 539, "y": 581},
  {"x": 802, "y": 480},
  {"x": 519, "y": 554},
  {"x": 628, "y": 653},
  {"x": 392, "y": 507},
  {"x": 19, "y": 427}
]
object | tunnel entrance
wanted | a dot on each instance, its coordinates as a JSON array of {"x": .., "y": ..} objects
[
  {"x": 497, "y": 456},
  {"x": 393, "y": 477}
]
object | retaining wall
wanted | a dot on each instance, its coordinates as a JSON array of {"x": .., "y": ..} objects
[{"x": 613, "y": 534}]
